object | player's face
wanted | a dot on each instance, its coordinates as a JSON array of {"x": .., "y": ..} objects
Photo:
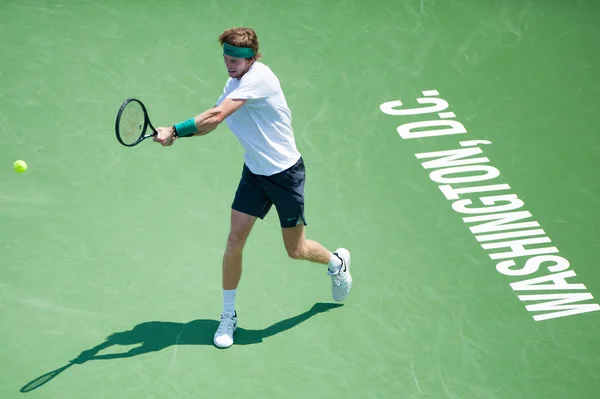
[{"x": 236, "y": 67}]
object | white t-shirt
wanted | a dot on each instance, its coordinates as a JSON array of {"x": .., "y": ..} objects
[{"x": 263, "y": 125}]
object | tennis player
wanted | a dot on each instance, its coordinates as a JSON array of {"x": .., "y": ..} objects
[{"x": 255, "y": 110}]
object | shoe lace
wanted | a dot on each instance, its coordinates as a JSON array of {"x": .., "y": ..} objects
[
  {"x": 336, "y": 278},
  {"x": 226, "y": 325}
]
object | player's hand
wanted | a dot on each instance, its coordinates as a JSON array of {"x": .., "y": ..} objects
[{"x": 165, "y": 136}]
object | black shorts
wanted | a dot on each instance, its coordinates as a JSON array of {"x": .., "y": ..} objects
[{"x": 256, "y": 194}]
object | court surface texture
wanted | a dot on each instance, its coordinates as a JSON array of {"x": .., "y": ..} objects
[{"x": 451, "y": 146}]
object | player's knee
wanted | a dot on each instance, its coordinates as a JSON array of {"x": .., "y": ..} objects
[
  {"x": 235, "y": 243},
  {"x": 295, "y": 252}
]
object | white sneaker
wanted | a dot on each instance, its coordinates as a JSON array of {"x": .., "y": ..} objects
[
  {"x": 341, "y": 281},
  {"x": 224, "y": 335}
]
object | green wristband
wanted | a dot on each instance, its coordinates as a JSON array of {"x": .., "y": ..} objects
[{"x": 186, "y": 128}]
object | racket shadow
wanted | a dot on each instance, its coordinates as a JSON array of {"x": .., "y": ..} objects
[{"x": 154, "y": 336}]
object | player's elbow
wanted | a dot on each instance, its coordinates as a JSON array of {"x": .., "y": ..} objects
[{"x": 216, "y": 117}]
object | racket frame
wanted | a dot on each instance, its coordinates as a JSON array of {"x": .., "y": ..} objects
[{"x": 147, "y": 123}]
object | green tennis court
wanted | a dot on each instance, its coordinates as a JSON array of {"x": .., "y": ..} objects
[{"x": 451, "y": 146}]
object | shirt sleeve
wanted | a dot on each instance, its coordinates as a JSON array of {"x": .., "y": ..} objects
[{"x": 252, "y": 86}]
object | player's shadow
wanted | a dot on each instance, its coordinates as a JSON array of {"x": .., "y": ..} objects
[{"x": 153, "y": 336}]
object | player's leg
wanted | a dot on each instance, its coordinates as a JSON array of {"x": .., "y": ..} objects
[
  {"x": 299, "y": 247},
  {"x": 241, "y": 225},
  {"x": 338, "y": 262},
  {"x": 250, "y": 203},
  {"x": 287, "y": 193}
]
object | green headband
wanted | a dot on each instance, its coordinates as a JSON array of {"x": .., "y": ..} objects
[{"x": 237, "y": 52}]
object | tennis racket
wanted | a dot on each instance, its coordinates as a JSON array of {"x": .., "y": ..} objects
[
  {"x": 38, "y": 382},
  {"x": 133, "y": 124}
]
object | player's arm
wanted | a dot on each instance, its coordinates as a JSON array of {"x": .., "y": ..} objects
[
  {"x": 201, "y": 124},
  {"x": 208, "y": 121}
]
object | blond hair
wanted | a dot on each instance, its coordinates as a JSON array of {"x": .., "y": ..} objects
[{"x": 241, "y": 37}]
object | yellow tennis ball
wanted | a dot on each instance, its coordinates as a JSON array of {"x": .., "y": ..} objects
[{"x": 20, "y": 166}]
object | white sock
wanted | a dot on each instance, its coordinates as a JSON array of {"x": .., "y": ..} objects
[
  {"x": 334, "y": 263},
  {"x": 229, "y": 301}
]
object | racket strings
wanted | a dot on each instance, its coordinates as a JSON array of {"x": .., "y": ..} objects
[{"x": 132, "y": 123}]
